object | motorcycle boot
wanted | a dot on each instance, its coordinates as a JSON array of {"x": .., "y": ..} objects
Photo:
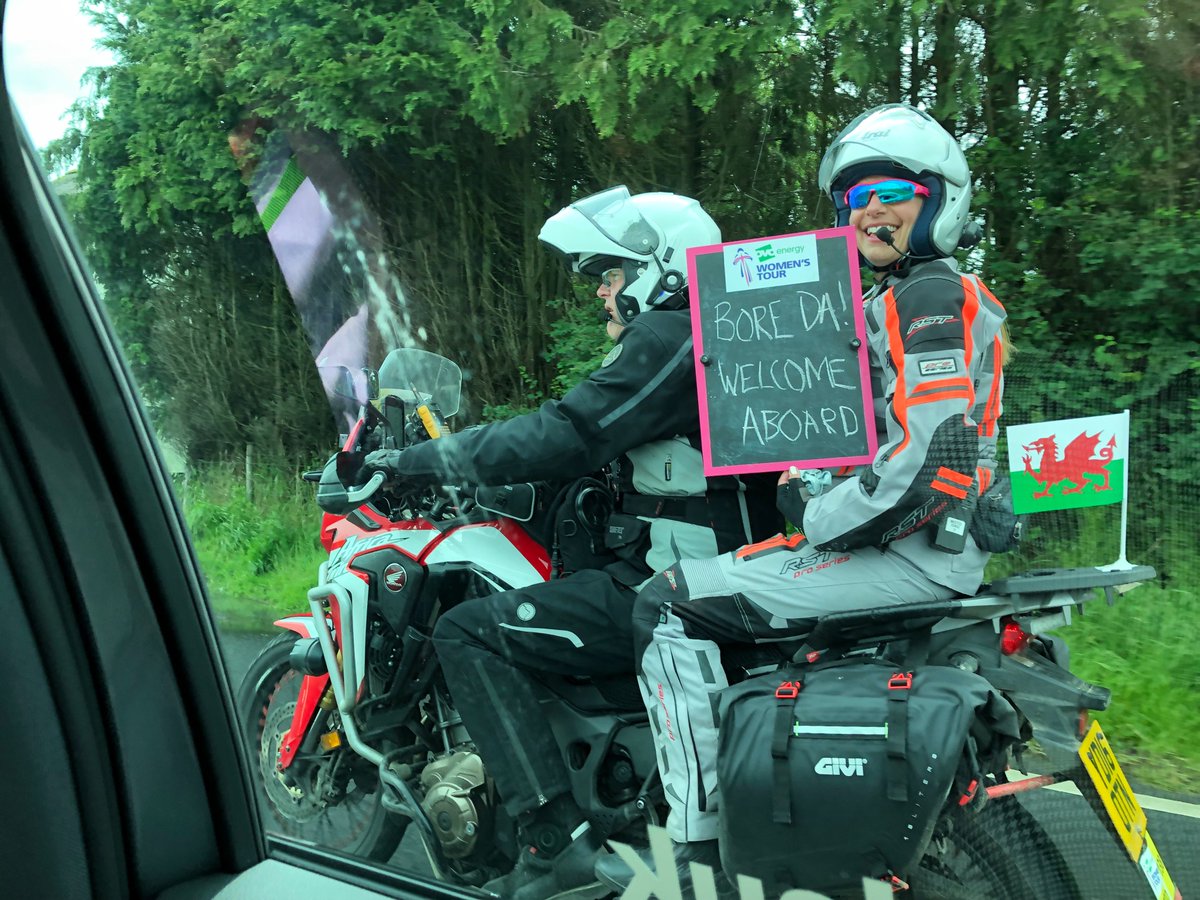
[
  {"x": 615, "y": 873},
  {"x": 547, "y": 869}
]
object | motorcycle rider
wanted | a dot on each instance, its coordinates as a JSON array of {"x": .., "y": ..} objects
[
  {"x": 637, "y": 411},
  {"x": 937, "y": 343}
]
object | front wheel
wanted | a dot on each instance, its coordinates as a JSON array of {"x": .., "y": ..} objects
[
  {"x": 999, "y": 853},
  {"x": 332, "y": 798}
]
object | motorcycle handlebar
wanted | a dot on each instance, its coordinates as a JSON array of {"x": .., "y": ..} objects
[{"x": 364, "y": 493}]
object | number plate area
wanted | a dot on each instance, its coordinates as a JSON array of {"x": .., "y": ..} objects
[{"x": 1124, "y": 811}]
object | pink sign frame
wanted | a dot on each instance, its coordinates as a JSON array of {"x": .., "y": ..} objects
[{"x": 845, "y": 234}]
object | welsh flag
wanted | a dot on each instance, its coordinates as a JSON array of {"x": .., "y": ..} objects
[{"x": 1068, "y": 464}]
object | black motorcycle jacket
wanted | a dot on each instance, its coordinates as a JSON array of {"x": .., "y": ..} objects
[{"x": 639, "y": 412}]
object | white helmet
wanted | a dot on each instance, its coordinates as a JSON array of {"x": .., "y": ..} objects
[
  {"x": 646, "y": 235},
  {"x": 898, "y": 139}
]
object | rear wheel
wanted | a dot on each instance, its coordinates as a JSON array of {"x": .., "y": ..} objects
[
  {"x": 999, "y": 853},
  {"x": 332, "y": 799}
]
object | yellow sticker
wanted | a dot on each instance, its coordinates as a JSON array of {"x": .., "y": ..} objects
[{"x": 1123, "y": 809}]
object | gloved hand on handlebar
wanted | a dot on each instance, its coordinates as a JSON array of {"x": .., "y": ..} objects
[{"x": 385, "y": 461}]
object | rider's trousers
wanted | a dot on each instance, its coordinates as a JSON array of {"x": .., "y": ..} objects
[
  {"x": 772, "y": 594},
  {"x": 489, "y": 648}
]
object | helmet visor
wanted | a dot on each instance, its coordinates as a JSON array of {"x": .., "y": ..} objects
[
  {"x": 613, "y": 214},
  {"x": 594, "y": 267}
]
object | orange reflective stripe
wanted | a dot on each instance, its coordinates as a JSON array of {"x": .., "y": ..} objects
[
  {"x": 950, "y": 489},
  {"x": 956, "y": 477},
  {"x": 970, "y": 311},
  {"x": 991, "y": 412},
  {"x": 985, "y": 479},
  {"x": 963, "y": 394},
  {"x": 900, "y": 398},
  {"x": 943, "y": 383},
  {"x": 990, "y": 295},
  {"x": 770, "y": 543}
]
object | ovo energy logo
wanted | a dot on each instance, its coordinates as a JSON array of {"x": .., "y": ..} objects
[{"x": 779, "y": 261}]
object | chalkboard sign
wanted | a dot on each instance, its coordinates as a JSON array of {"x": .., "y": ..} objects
[{"x": 781, "y": 354}]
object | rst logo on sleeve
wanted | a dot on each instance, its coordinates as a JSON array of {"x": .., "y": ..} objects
[{"x": 756, "y": 264}]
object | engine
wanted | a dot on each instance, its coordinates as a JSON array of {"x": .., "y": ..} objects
[{"x": 455, "y": 801}]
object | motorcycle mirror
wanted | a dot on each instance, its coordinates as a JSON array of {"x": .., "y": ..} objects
[
  {"x": 339, "y": 382},
  {"x": 513, "y": 501},
  {"x": 372, "y": 381}
]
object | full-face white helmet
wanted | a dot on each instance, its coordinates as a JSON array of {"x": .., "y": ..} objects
[
  {"x": 646, "y": 235},
  {"x": 903, "y": 141}
]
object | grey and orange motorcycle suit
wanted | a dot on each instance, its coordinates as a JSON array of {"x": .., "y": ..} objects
[
  {"x": 936, "y": 352},
  {"x": 638, "y": 412}
]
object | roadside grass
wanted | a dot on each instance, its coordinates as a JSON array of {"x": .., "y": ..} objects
[
  {"x": 1144, "y": 648},
  {"x": 260, "y": 555}
]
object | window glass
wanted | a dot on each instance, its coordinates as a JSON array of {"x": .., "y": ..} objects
[{"x": 321, "y": 236}]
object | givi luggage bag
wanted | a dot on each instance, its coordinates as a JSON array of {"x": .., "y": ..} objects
[{"x": 833, "y": 773}]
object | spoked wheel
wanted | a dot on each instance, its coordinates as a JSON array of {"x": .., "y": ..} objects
[
  {"x": 333, "y": 798},
  {"x": 1000, "y": 853}
]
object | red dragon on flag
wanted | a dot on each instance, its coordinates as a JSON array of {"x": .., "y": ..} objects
[{"x": 1079, "y": 460}]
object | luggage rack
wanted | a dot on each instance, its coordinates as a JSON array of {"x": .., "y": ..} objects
[
  {"x": 1049, "y": 581},
  {"x": 1035, "y": 589}
]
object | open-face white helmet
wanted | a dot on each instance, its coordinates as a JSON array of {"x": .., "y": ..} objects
[
  {"x": 902, "y": 141},
  {"x": 645, "y": 235}
]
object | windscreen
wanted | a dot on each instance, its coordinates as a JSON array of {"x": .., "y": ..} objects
[{"x": 418, "y": 376}]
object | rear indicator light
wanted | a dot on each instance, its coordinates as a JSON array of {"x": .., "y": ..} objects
[{"x": 1013, "y": 638}]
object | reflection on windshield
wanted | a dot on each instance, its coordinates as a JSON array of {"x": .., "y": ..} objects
[{"x": 325, "y": 240}]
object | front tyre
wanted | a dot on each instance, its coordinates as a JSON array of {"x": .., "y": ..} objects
[{"x": 331, "y": 799}]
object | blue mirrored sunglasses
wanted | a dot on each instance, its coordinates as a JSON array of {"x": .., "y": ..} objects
[{"x": 893, "y": 191}]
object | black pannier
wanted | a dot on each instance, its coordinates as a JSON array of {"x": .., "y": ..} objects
[{"x": 838, "y": 771}]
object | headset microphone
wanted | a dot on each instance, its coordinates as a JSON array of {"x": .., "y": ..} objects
[
  {"x": 604, "y": 316},
  {"x": 885, "y": 235}
]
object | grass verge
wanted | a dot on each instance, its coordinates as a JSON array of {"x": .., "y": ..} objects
[
  {"x": 1143, "y": 649},
  {"x": 259, "y": 555}
]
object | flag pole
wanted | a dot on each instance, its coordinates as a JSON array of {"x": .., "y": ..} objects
[{"x": 1122, "y": 564}]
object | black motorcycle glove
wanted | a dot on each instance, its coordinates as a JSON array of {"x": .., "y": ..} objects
[
  {"x": 790, "y": 499},
  {"x": 385, "y": 461}
]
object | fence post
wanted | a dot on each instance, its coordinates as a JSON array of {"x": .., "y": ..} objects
[{"x": 249, "y": 477}]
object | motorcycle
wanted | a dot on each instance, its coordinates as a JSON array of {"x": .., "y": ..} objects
[{"x": 355, "y": 736}]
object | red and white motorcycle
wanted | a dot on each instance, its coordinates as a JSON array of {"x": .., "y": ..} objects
[{"x": 355, "y": 736}]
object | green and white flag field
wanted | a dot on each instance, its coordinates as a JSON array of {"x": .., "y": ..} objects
[{"x": 1068, "y": 464}]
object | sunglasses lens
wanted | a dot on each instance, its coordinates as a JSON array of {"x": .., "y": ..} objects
[{"x": 887, "y": 192}]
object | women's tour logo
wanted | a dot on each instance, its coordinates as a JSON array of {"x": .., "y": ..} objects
[{"x": 761, "y": 264}]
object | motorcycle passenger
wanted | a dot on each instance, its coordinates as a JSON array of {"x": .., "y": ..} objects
[
  {"x": 637, "y": 411},
  {"x": 937, "y": 343}
]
